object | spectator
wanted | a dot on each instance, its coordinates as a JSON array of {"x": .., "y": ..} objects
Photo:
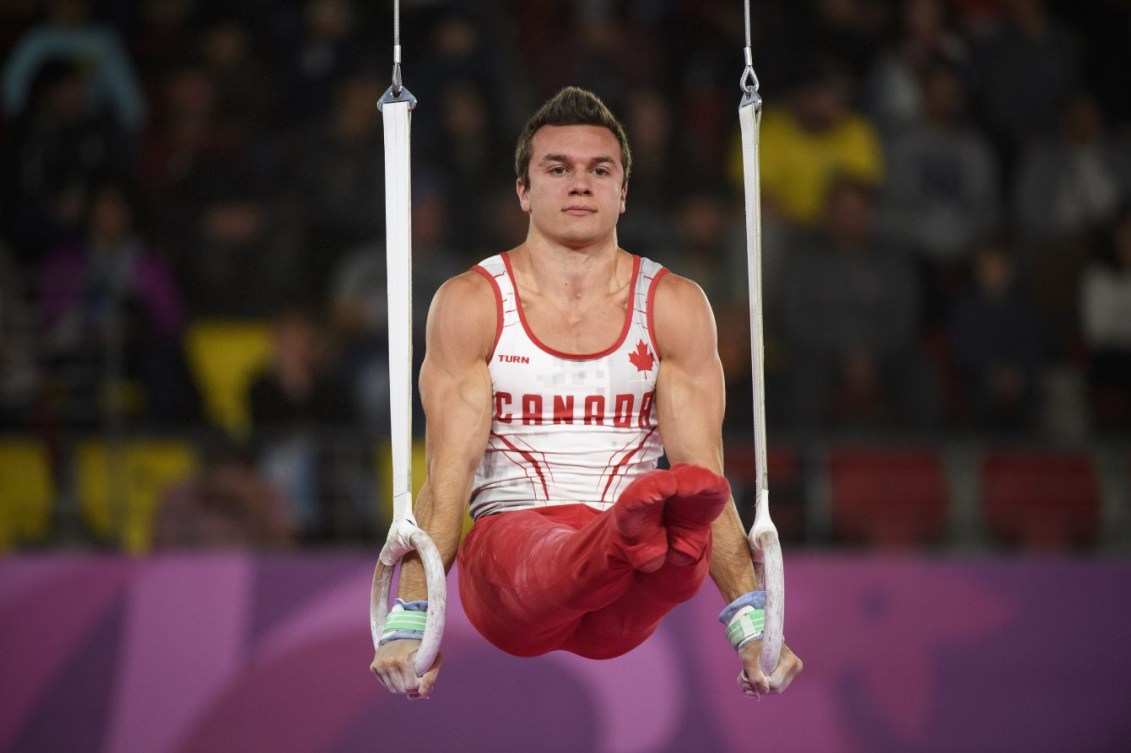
[
  {"x": 110, "y": 303},
  {"x": 341, "y": 180},
  {"x": 226, "y": 504},
  {"x": 57, "y": 147},
  {"x": 300, "y": 388},
  {"x": 301, "y": 410},
  {"x": 236, "y": 251},
  {"x": 245, "y": 93},
  {"x": 328, "y": 50},
  {"x": 702, "y": 245},
  {"x": 1026, "y": 69},
  {"x": 894, "y": 90},
  {"x": 245, "y": 256},
  {"x": 850, "y": 312},
  {"x": 455, "y": 48},
  {"x": 469, "y": 154},
  {"x": 941, "y": 194},
  {"x": 358, "y": 310},
  {"x": 1105, "y": 302},
  {"x": 650, "y": 125},
  {"x": 812, "y": 143},
  {"x": 995, "y": 337},
  {"x": 184, "y": 135},
  {"x": 849, "y": 29},
  {"x": 1071, "y": 184},
  {"x": 68, "y": 33},
  {"x": 359, "y": 304}
]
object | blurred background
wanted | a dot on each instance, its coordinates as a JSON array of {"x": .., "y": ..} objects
[
  {"x": 192, "y": 298},
  {"x": 193, "y": 344}
]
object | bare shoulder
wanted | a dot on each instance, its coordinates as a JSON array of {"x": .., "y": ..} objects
[
  {"x": 463, "y": 314},
  {"x": 682, "y": 315},
  {"x": 469, "y": 289}
]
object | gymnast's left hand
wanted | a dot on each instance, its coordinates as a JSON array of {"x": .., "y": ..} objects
[
  {"x": 754, "y": 683},
  {"x": 394, "y": 666}
]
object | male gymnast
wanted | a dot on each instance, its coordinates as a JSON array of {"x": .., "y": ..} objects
[{"x": 555, "y": 376}]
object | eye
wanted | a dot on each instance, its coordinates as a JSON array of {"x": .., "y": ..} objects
[
  {"x": 557, "y": 170},
  {"x": 602, "y": 171}
]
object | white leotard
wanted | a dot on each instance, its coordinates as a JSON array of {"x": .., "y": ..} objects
[{"x": 568, "y": 428}]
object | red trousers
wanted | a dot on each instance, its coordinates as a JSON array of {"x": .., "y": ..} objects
[{"x": 594, "y": 583}]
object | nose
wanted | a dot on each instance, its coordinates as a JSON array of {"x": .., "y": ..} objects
[{"x": 579, "y": 186}]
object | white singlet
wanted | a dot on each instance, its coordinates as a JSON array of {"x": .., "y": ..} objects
[{"x": 568, "y": 428}]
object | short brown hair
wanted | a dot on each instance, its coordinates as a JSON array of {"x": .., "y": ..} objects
[{"x": 571, "y": 106}]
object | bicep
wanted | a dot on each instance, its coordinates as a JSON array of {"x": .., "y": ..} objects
[
  {"x": 690, "y": 393},
  {"x": 455, "y": 385},
  {"x": 690, "y": 400}
]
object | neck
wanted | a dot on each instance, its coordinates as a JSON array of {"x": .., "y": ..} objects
[{"x": 568, "y": 274}]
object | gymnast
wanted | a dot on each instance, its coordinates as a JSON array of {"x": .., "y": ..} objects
[{"x": 555, "y": 376}]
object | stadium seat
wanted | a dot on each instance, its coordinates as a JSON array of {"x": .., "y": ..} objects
[
  {"x": 889, "y": 497},
  {"x": 224, "y": 357},
  {"x": 1043, "y": 501},
  {"x": 137, "y": 476},
  {"x": 27, "y": 492}
]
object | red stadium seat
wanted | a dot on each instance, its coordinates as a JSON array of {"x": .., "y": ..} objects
[
  {"x": 894, "y": 498},
  {"x": 1040, "y": 500}
]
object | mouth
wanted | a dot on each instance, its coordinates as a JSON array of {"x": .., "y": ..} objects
[{"x": 579, "y": 210}]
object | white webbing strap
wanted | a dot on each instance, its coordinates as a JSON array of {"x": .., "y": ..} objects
[
  {"x": 404, "y": 535},
  {"x": 763, "y": 534},
  {"x": 398, "y": 255}
]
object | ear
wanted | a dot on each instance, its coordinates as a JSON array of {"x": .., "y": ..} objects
[
  {"x": 623, "y": 196},
  {"x": 523, "y": 195}
]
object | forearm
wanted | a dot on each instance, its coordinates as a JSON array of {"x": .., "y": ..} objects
[
  {"x": 444, "y": 525},
  {"x": 732, "y": 565}
]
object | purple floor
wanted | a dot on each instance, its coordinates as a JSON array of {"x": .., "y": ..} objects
[{"x": 211, "y": 654}]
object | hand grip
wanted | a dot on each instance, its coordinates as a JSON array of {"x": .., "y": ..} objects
[
  {"x": 764, "y": 540},
  {"x": 435, "y": 576}
]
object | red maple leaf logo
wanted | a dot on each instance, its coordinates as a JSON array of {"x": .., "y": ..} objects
[{"x": 642, "y": 358}]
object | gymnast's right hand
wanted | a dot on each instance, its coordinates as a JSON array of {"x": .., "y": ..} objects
[{"x": 393, "y": 665}]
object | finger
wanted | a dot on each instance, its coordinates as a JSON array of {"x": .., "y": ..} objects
[
  {"x": 428, "y": 681},
  {"x": 383, "y": 675},
  {"x": 784, "y": 674},
  {"x": 392, "y": 676},
  {"x": 377, "y": 667},
  {"x": 758, "y": 678},
  {"x": 407, "y": 681},
  {"x": 748, "y": 687},
  {"x": 420, "y": 693}
]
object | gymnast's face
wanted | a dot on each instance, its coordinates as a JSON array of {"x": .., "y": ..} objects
[{"x": 577, "y": 189}]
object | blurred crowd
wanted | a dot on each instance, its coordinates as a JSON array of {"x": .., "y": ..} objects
[{"x": 946, "y": 197}]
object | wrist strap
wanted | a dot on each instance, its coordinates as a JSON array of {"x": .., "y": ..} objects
[
  {"x": 746, "y": 626},
  {"x": 406, "y": 620},
  {"x": 756, "y": 599},
  {"x": 745, "y": 618}
]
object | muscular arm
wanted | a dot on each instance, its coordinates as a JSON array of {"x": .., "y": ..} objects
[
  {"x": 455, "y": 388},
  {"x": 690, "y": 402}
]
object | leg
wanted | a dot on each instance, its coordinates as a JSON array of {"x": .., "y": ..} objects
[
  {"x": 528, "y": 577},
  {"x": 700, "y": 497},
  {"x": 593, "y": 583},
  {"x": 688, "y": 514}
]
